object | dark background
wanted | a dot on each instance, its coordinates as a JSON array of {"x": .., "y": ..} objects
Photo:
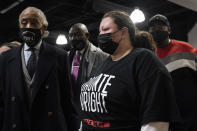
[{"x": 61, "y": 14}]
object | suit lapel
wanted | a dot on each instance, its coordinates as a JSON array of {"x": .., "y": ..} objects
[
  {"x": 71, "y": 56},
  {"x": 15, "y": 72},
  {"x": 91, "y": 64},
  {"x": 90, "y": 57},
  {"x": 45, "y": 64}
]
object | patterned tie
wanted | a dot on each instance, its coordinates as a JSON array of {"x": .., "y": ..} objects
[
  {"x": 75, "y": 67},
  {"x": 31, "y": 64}
]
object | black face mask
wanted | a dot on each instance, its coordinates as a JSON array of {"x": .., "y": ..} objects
[
  {"x": 78, "y": 44},
  {"x": 30, "y": 36},
  {"x": 106, "y": 44},
  {"x": 159, "y": 37}
]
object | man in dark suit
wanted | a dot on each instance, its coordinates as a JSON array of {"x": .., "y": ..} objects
[
  {"x": 84, "y": 57},
  {"x": 34, "y": 84}
]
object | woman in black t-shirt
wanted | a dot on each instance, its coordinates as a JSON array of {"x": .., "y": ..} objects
[{"x": 130, "y": 91}]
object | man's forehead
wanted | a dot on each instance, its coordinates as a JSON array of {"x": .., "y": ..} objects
[
  {"x": 76, "y": 30},
  {"x": 29, "y": 14},
  {"x": 158, "y": 24}
]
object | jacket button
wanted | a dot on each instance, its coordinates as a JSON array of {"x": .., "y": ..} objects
[
  {"x": 50, "y": 114},
  {"x": 46, "y": 87},
  {"x": 13, "y": 98},
  {"x": 13, "y": 125}
]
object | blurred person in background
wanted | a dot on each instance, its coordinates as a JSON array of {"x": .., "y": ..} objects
[
  {"x": 180, "y": 58},
  {"x": 8, "y": 45},
  {"x": 144, "y": 39}
]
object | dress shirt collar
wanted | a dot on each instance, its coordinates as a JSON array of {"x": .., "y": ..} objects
[
  {"x": 37, "y": 47},
  {"x": 81, "y": 51}
]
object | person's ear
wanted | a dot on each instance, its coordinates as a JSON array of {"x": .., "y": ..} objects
[
  {"x": 87, "y": 35},
  {"x": 169, "y": 31},
  {"x": 44, "y": 31},
  {"x": 125, "y": 32}
]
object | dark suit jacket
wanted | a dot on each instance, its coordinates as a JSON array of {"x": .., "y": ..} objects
[
  {"x": 50, "y": 103},
  {"x": 92, "y": 57}
]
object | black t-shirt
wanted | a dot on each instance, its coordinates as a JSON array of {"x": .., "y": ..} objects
[{"x": 125, "y": 94}]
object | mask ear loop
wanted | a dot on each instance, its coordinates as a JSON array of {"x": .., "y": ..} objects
[{"x": 44, "y": 33}]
